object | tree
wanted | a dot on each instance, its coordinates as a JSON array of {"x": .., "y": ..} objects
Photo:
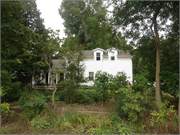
[
  {"x": 73, "y": 64},
  {"x": 86, "y": 20},
  {"x": 144, "y": 61},
  {"x": 50, "y": 48},
  {"x": 169, "y": 75},
  {"x": 143, "y": 15},
  {"x": 21, "y": 28}
]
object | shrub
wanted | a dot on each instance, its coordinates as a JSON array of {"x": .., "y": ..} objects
[
  {"x": 117, "y": 82},
  {"x": 11, "y": 88},
  {"x": 71, "y": 90},
  {"x": 86, "y": 87},
  {"x": 115, "y": 118},
  {"x": 128, "y": 105},
  {"x": 97, "y": 131},
  {"x": 122, "y": 129},
  {"x": 39, "y": 123},
  {"x": 62, "y": 95},
  {"x": 82, "y": 97},
  {"x": 32, "y": 103},
  {"x": 164, "y": 116},
  {"x": 61, "y": 85},
  {"x": 101, "y": 84},
  {"x": 85, "y": 97},
  {"x": 5, "y": 109}
]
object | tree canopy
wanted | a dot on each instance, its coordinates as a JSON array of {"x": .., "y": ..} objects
[{"x": 146, "y": 18}]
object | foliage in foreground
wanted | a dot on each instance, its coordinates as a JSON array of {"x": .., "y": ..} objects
[
  {"x": 138, "y": 110},
  {"x": 5, "y": 109},
  {"x": 73, "y": 122},
  {"x": 32, "y": 104},
  {"x": 166, "y": 118}
]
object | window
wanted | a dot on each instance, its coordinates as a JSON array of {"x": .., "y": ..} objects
[
  {"x": 112, "y": 58},
  {"x": 91, "y": 76},
  {"x": 120, "y": 73},
  {"x": 98, "y": 57}
]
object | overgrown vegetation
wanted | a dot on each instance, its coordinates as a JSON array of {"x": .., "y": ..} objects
[
  {"x": 32, "y": 104},
  {"x": 28, "y": 47}
]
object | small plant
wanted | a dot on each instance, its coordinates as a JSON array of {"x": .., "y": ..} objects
[
  {"x": 121, "y": 129},
  {"x": 39, "y": 123},
  {"x": 164, "y": 116},
  {"x": 97, "y": 131},
  {"x": 80, "y": 130},
  {"x": 9, "y": 130},
  {"x": 5, "y": 109},
  {"x": 115, "y": 118}
]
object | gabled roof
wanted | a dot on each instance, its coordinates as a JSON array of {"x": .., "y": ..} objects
[
  {"x": 90, "y": 54},
  {"x": 98, "y": 49},
  {"x": 112, "y": 48}
]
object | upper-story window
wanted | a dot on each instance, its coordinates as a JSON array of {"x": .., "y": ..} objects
[
  {"x": 98, "y": 57},
  {"x": 112, "y": 56}
]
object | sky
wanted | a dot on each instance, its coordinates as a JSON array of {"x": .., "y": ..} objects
[{"x": 50, "y": 14}]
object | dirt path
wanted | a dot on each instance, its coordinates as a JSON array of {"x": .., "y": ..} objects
[{"x": 95, "y": 109}]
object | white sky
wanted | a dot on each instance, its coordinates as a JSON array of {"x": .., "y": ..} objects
[{"x": 50, "y": 14}]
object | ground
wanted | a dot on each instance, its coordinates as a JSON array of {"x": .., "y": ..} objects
[{"x": 14, "y": 124}]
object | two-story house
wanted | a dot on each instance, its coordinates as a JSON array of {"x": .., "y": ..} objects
[{"x": 112, "y": 61}]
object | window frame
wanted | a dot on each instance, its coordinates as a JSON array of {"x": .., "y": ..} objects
[
  {"x": 119, "y": 73},
  {"x": 91, "y": 76},
  {"x": 98, "y": 56},
  {"x": 113, "y": 57}
]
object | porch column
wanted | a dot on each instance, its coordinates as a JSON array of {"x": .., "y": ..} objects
[
  {"x": 48, "y": 78},
  {"x": 56, "y": 78},
  {"x": 40, "y": 76}
]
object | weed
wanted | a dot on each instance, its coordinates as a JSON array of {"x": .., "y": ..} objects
[{"x": 9, "y": 130}]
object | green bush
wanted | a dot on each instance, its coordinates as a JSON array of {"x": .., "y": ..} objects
[
  {"x": 40, "y": 84},
  {"x": 62, "y": 95},
  {"x": 86, "y": 87},
  {"x": 82, "y": 97},
  {"x": 101, "y": 84},
  {"x": 71, "y": 90},
  {"x": 11, "y": 87},
  {"x": 97, "y": 131},
  {"x": 85, "y": 97},
  {"x": 115, "y": 118},
  {"x": 39, "y": 123},
  {"x": 128, "y": 105},
  {"x": 122, "y": 129},
  {"x": 61, "y": 85},
  {"x": 32, "y": 103},
  {"x": 164, "y": 116},
  {"x": 5, "y": 109}
]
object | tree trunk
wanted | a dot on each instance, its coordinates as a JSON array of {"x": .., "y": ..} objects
[
  {"x": 53, "y": 102},
  {"x": 179, "y": 113},
  {"x": 158, "y": 96},
  {"x": 55, "y": 88}
]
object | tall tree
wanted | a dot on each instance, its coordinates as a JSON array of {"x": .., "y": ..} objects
[
  {"x": 73, "y": 66},
  {"x": 146, "y": 18},
  {"x": 20, "y": 31},
  {"x": 86, "y": 19},
  {"x": 50, "y": 48}
]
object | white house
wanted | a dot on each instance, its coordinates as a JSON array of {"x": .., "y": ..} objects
[{"x": 112, "y": 61}]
